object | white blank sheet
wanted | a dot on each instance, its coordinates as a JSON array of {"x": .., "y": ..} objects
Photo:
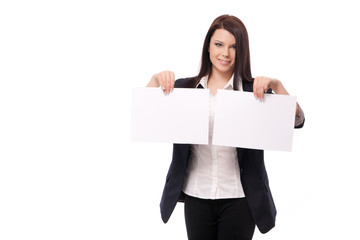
[
  {"x": 180, "y": 117},
  {"x": 243, "y": 121}
]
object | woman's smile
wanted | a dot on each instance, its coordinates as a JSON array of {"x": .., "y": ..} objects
[{"x": 224, "y": 62}]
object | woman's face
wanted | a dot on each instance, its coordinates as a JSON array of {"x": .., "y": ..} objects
[{"x": 222, "y": 51}]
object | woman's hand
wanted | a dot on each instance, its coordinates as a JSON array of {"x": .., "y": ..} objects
[
  {"x": 165, "y": 80},
  {"x": 262, "y": 84}
]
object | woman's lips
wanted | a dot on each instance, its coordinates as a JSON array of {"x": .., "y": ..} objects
[{"x": 224, "y": 62}]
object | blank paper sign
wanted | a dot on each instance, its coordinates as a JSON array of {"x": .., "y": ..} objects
[
  {"x": 243, "y": 121},
  {"x": 180, "y": 117}
]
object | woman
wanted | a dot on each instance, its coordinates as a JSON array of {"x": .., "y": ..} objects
[{"x": 225, "y": 189}]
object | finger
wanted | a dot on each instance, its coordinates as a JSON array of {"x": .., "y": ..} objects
[
  {"x": 172, "y": 81},
  {"x": 266, "y": 86},
  {"x": 162, "y": 82},
  {"x": 165, "y": 79},
  {"x": 167, "y": 82},
  {"x": 263, "y": 85},
  {"x": 160, "y": 79},
  {"x": 255, "y": 87},
  {"x": 260, "y": 93},
  {"x": 258, "y": 88},
  {"x": 265, "y": 89}
]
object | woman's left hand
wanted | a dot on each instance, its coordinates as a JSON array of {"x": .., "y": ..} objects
[{"x": 262, "y": 84}]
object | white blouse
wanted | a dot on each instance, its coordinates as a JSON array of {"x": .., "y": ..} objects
[{"x": 213, "y": 171}]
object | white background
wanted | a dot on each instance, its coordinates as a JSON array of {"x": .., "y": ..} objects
[{"x": 68, "y": 169}]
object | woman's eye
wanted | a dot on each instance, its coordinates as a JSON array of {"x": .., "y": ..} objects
[{"x": 218, "y": 44}]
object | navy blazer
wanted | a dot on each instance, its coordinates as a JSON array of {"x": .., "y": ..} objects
[{"x": 254, "y": 178}]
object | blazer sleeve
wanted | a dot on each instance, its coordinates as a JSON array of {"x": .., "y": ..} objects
[
  {"x": 300, "y": 118},
  {"x": 181, "y": 83},
  {"x": 178, "y": 83}
]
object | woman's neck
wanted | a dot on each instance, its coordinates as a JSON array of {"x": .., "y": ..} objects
[{"x": 217, "y": 81}]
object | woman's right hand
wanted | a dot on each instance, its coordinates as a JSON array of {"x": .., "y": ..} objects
[{"x": 165, "y": 80}]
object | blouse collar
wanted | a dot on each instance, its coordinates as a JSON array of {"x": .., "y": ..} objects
[{"x": 228, "y": 86}]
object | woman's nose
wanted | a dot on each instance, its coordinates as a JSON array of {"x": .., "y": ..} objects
[{"x": 225, "y": 52}]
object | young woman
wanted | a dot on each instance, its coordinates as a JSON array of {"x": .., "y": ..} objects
[{"x": 225, "y": 189}]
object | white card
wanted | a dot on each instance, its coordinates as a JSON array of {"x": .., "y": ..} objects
[
  {"x": 243, "y": 121},
  {"x": 180, "y": 117}
]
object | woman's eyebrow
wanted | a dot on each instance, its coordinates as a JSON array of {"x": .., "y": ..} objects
[{"x": 234, "y": 44}]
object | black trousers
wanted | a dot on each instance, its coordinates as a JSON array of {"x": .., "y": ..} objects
[{"x": 221, "y": 219}]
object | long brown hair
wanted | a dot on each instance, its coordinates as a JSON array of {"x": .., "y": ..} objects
[{"x": 242, "y": 57}]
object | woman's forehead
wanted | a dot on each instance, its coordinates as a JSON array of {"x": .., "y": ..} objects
[{"x": 224, "y": 35}]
